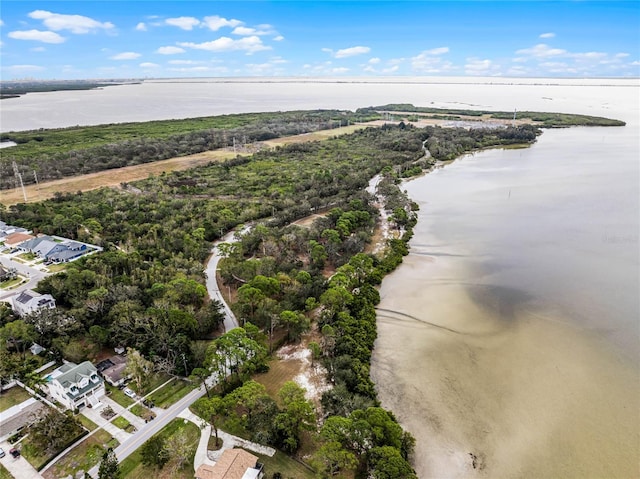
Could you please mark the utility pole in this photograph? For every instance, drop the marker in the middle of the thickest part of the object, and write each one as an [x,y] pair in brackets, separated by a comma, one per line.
[35,175]
[19,178]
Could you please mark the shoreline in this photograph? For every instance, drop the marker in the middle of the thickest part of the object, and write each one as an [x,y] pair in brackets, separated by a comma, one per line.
[528,394]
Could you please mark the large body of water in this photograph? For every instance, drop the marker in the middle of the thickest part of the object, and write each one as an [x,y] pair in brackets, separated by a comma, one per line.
[509,337]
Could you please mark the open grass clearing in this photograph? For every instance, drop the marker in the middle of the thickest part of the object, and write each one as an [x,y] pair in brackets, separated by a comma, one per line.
[121,422]
[171,393]
[12,397]
[111,178]
[82,457]
[118,396]
[285,465]
[4,474]
[87,423]
[132,467]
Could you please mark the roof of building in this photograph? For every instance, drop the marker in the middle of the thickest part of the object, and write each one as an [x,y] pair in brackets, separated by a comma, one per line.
[72,374]
[113,368]
[233,463]
[17,238]
[28,295]
[19,415]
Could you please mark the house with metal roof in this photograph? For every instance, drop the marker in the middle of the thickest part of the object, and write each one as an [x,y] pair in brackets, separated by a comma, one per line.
[76,385]
[29,301]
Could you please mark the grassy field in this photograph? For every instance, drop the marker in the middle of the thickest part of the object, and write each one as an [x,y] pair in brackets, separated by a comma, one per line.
[132,467]
[13,396]
[83,457]
[4,474]
[121,422]
[171,393]
[285,465]
[87,423]
[118,396]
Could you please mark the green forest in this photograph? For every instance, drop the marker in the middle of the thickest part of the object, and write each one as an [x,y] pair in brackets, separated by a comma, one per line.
[146,291]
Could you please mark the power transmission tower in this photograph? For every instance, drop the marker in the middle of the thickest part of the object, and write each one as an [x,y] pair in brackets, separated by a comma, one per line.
[19,178]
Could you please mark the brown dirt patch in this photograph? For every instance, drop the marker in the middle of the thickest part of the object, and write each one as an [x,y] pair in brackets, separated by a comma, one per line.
[111,178]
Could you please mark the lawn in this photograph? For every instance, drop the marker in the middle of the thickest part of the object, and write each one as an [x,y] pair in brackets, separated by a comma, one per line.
[285,465]
[132,467]
[171,393]
[141,411]
[118,396]
[123,424]
[4,474]
[83,457]
[87,423]
[13,396]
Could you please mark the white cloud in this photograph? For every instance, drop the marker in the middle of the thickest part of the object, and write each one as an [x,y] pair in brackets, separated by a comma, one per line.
[185,23]
[74,23]
[541,50]
[215,22]
[351,51]
[38,49]
[25,68]
[141,27]
[547,35]
[340,70]
[200,69]
[476,66]
[431,61]
[126,56]
[37,35]
[225,44]
[170,50]
[279,38]
[185,62]
[436,51]
[392,69]
[149,65]
[622,55]
[1,23]
[374,61]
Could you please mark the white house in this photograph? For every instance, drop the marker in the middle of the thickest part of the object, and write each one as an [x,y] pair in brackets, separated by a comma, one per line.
[76,385]
[29,301]
[232,464]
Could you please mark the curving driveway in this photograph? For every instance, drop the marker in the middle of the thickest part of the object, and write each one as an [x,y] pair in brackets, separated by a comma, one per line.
[211,268]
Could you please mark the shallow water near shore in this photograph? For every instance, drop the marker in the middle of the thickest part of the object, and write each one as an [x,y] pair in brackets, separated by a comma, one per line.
[508,339]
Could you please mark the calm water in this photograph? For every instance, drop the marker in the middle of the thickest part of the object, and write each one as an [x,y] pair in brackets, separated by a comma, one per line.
[511,331]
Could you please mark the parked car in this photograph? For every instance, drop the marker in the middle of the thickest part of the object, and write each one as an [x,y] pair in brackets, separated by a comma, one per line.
[2,453]
[14,452]
[129,392]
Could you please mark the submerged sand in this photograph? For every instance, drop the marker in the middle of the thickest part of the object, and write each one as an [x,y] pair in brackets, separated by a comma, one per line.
[489,382]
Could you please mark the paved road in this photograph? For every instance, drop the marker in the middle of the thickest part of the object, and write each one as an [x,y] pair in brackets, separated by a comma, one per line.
[33,274]
[230,320]
[127,448]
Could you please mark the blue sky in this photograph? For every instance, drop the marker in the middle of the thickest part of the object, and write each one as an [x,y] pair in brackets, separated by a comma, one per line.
[132,39]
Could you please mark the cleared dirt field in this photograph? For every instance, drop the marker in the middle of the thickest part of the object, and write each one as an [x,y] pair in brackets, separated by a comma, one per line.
[112,178]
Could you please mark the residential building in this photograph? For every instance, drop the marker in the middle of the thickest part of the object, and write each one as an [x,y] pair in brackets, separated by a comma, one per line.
[233,464]
[76,385]
[52,249]
[14,239]
[29,301]
[112,370]
[17,417]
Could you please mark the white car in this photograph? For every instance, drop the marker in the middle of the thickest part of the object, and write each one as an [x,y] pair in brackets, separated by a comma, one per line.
[129,392]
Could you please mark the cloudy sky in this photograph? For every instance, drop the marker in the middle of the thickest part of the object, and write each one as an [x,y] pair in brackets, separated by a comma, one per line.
[118,39]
